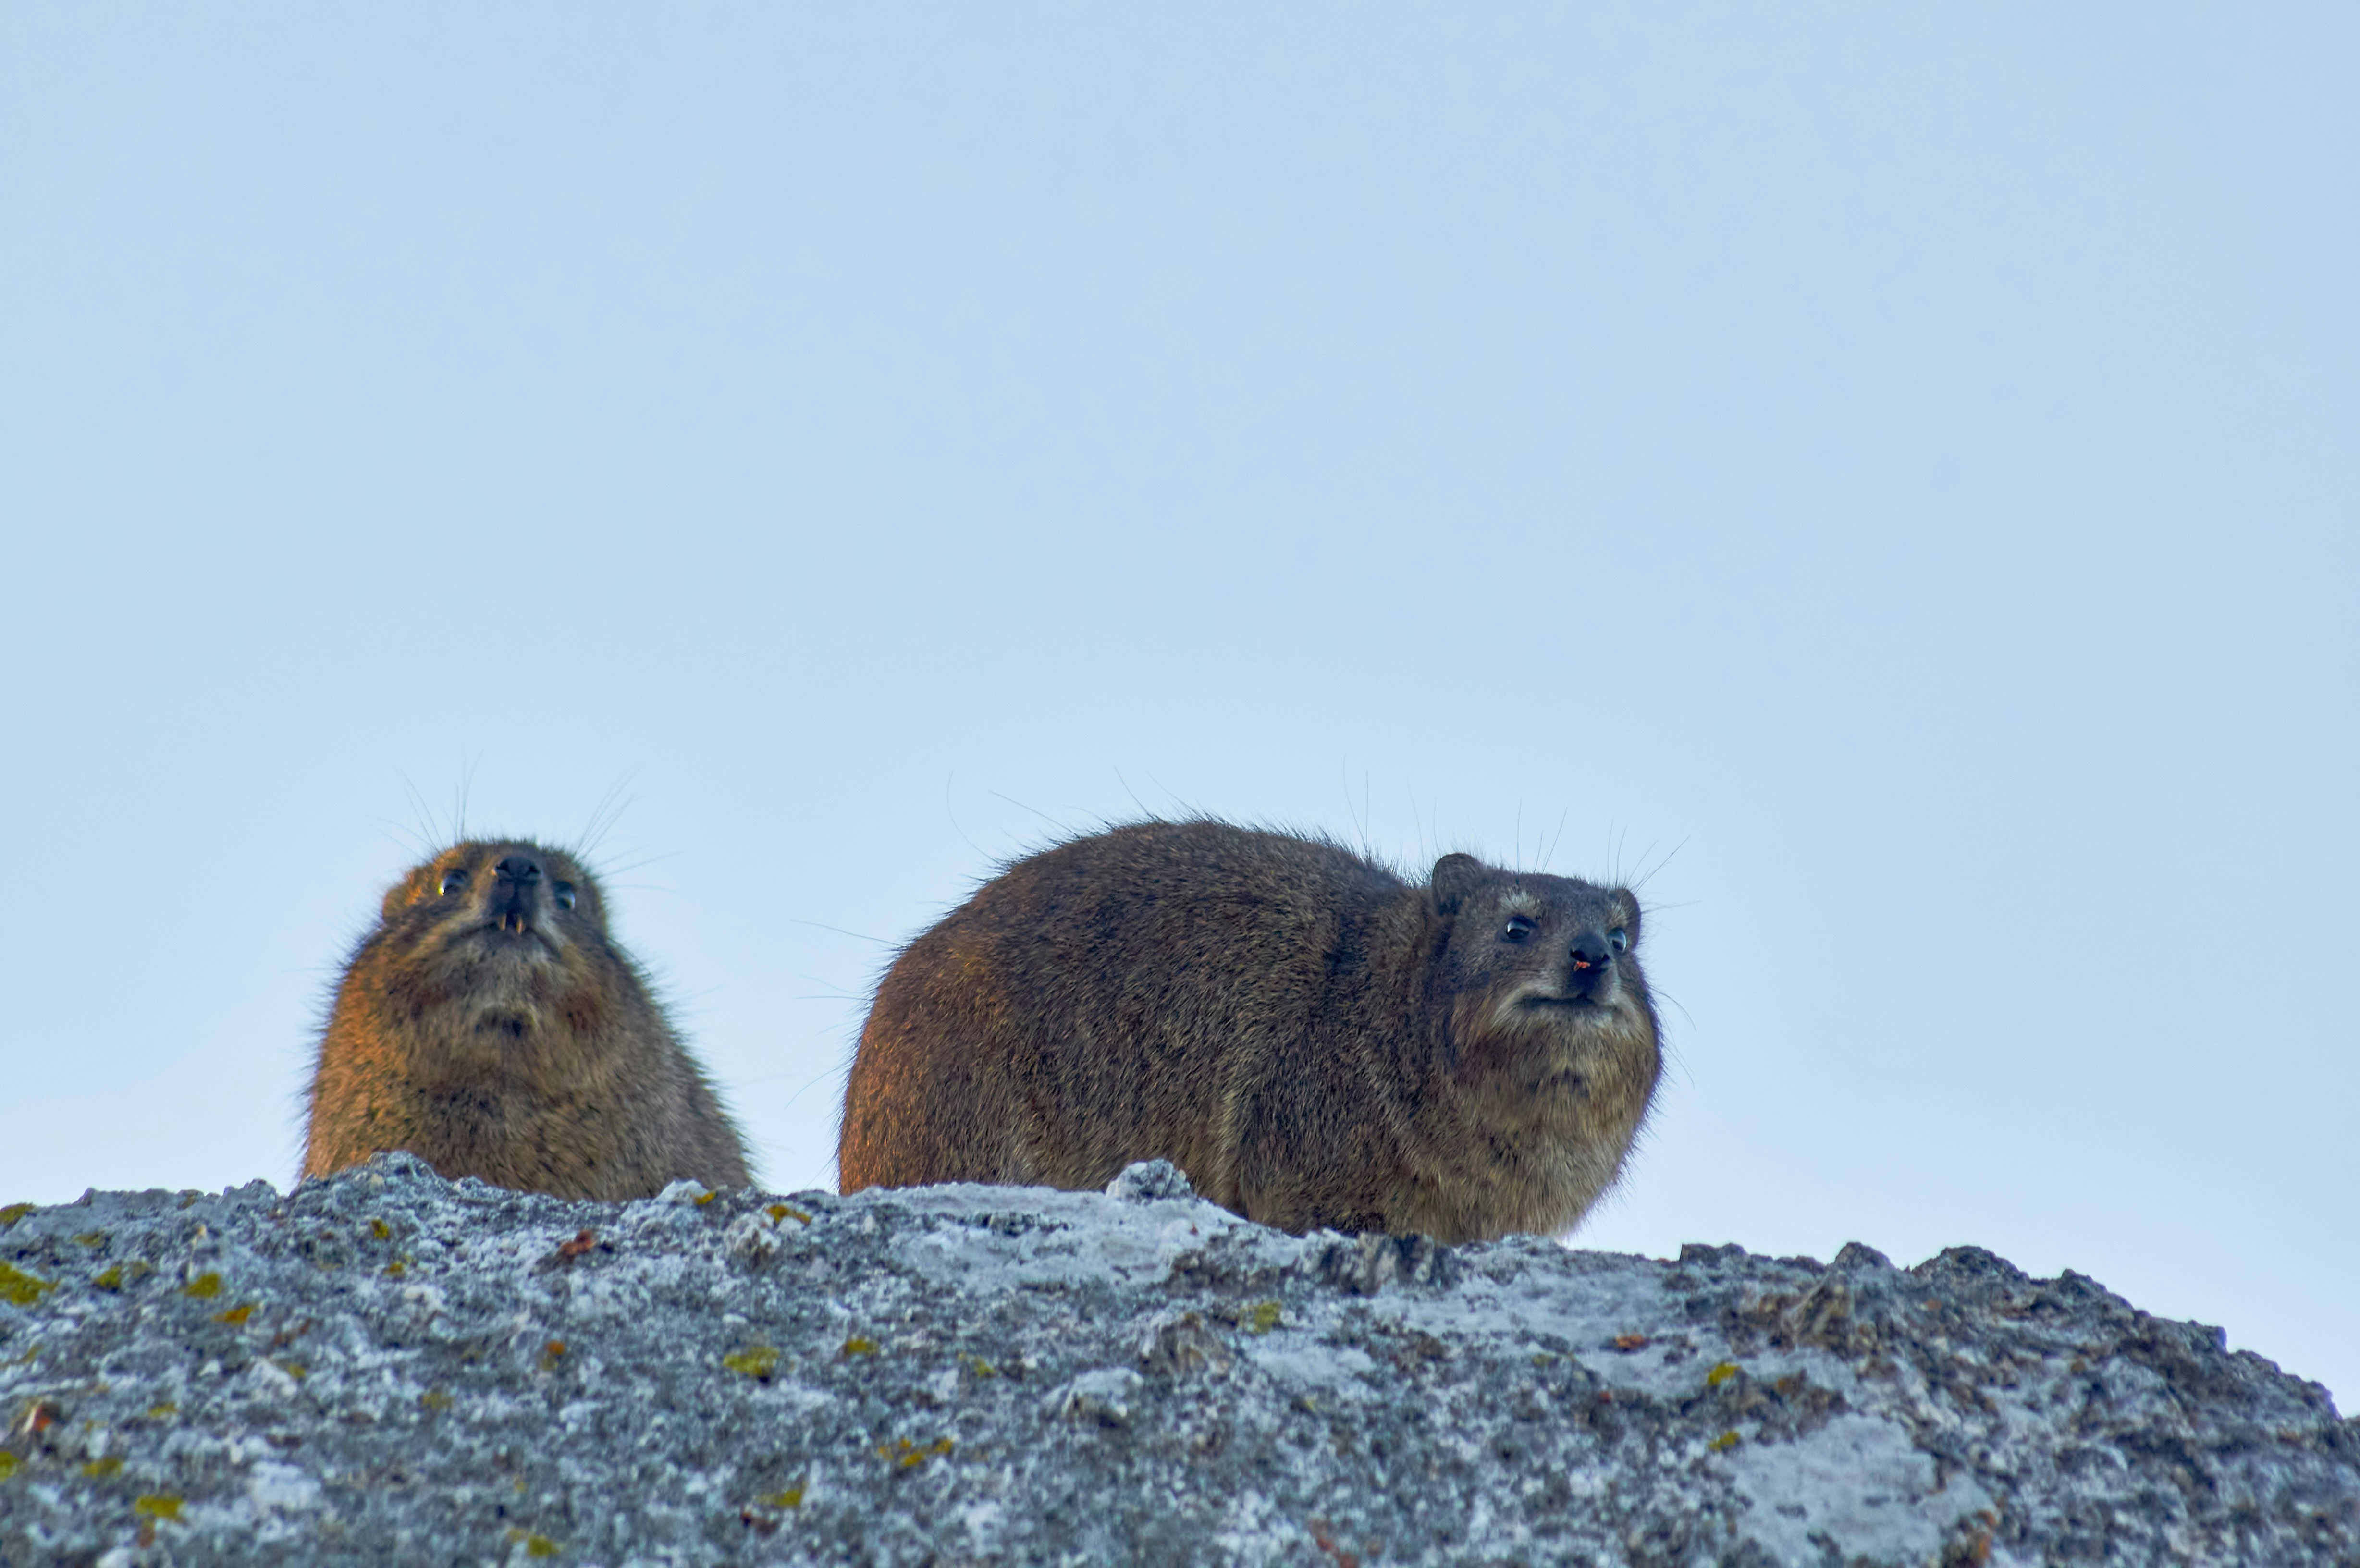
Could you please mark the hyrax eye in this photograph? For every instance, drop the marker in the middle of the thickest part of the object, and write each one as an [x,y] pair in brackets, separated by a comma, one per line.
[565,892]
[453,880]
[1518,928]
[1620,939]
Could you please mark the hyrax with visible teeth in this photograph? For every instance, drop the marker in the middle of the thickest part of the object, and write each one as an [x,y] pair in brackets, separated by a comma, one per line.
[489,1024]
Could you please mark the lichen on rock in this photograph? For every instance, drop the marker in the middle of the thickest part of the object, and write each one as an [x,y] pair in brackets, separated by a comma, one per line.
[386,1367]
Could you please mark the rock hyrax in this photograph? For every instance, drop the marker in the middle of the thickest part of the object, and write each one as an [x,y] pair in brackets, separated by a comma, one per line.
[490,1026]
[1314,1040]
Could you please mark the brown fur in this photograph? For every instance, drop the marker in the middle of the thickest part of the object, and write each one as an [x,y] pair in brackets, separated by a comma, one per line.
[496,1032]
[1314,1041]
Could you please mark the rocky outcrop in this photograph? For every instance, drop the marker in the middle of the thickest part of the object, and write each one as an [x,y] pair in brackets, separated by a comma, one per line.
[389,1368]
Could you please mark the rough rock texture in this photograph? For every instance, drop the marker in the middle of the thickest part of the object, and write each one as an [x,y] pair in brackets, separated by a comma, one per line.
[387,1367]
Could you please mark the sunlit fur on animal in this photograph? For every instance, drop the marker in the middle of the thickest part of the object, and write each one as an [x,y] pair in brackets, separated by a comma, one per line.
[1314,1040]
[489,1024]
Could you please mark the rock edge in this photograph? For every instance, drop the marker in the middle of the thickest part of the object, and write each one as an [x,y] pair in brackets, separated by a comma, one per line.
[388,1366]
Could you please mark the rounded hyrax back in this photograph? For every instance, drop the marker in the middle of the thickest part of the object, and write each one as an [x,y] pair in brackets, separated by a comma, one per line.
[1314,1041]
[489,1024]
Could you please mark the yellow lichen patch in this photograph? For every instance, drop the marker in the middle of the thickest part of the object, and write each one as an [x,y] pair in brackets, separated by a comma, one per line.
[534,1545]
[237,1314]
[203,1286]
[1721,1374]
[14,1211]
[980,1368]
[157,1505]
[856,1345]
[110,1280]
[1262,1317]
[105,1466]
[164,1408]
[8,1463]
[908,1455]
[786,1212]
[1724,1442]
[398,1268]
[379,1229]
[21,1288]
[295,1369]
[792,1497]
[705,1198]
[91,1239]
[756,1361]
[435,1400]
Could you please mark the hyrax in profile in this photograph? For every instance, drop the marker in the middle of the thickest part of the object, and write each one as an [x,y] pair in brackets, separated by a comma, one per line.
[490,1026]
[1313,1041]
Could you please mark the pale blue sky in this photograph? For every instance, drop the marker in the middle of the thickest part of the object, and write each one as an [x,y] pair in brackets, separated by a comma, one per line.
[1890,475]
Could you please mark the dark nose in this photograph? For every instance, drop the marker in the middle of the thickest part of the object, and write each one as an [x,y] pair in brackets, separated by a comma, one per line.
[1591,959]
[520,880]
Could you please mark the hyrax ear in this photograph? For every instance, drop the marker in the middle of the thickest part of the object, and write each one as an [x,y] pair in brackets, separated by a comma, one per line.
[403,894]
[1454,877]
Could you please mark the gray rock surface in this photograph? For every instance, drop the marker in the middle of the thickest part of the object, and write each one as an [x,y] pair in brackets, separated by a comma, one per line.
[388,1368]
